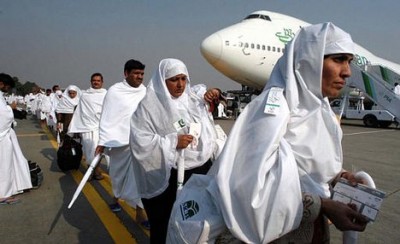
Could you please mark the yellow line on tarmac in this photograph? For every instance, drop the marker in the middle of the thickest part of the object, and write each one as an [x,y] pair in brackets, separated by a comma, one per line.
[114,226]
[128,209]
[106,184]
[117,230]
[31,134]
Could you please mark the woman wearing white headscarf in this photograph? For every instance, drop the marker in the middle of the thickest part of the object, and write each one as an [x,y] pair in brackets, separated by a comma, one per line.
[159,132]
[66,106]
[284,151]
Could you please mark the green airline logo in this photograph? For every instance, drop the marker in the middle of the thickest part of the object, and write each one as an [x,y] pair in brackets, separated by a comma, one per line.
[285,36]
[288,34]
[189,209]
[360,60]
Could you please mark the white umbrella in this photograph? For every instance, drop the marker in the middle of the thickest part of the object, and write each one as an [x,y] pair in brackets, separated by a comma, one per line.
[351,237]
[85,178]
[195,130]
[58,138]
[181,171]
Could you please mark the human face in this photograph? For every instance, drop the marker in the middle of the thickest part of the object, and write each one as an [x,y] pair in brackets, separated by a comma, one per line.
[336,69]
[96,82]
[134,77]
[72,94]
[4,87]
[176,85]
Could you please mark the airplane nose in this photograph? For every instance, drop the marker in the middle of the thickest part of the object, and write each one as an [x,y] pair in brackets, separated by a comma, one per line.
[211,48]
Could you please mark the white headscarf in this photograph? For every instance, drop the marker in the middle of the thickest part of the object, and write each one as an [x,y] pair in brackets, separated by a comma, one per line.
[270,159]
[153,134]
[67,104]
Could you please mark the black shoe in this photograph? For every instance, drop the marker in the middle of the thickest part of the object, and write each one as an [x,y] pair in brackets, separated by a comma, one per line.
[115,207]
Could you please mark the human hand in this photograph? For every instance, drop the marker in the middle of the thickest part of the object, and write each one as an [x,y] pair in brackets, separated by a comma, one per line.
[352,179]
[184,141]
[344,217]
[99,150]
[13,105]
[212,95]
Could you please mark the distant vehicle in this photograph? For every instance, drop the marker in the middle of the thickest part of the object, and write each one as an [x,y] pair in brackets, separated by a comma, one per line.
[354,107]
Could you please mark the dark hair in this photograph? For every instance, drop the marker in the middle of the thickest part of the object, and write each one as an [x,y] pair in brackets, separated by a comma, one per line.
[96,74]
[395,84]
[54,87]
[133,64]
[7,80]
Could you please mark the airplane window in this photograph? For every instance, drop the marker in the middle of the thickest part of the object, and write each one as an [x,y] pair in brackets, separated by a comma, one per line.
[258,16]
[269,48]
[246,45]
[279,50]
[226,43]
[258,46]
[252,46]
[273,49]
[263,47]
[283,50]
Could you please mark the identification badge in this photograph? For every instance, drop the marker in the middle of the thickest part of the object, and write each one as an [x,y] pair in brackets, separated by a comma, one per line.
[180,124]
[273,100]
[195,131]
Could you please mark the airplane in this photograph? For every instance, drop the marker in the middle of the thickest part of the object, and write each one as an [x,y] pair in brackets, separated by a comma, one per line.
[247,51]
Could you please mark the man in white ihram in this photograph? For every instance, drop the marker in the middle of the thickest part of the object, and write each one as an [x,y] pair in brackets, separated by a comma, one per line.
[14,169]
[86,120]
[120,102]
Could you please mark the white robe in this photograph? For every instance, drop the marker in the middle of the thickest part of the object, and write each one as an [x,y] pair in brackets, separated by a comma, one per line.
[14,170]
[119,104]
[86,120]
[286,141]
[154,136]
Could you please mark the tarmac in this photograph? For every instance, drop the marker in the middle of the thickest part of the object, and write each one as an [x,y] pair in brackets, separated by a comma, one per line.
[42,215]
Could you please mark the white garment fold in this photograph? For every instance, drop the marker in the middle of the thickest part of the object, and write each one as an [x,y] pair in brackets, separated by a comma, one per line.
[87,114]
[86,120]
[271,158]
[120,102]
[154,133]
[67,104]
[122,176]
[14,170]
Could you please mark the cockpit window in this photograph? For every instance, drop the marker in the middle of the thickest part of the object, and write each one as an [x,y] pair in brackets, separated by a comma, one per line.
[258,16]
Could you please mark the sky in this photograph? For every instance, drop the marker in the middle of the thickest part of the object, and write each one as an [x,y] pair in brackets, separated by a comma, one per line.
[63,42]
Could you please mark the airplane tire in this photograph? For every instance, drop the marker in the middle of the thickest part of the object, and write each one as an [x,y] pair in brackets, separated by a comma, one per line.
[384,123]
[370,121]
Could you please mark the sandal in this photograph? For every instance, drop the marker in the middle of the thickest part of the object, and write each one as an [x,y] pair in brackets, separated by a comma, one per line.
[10,201]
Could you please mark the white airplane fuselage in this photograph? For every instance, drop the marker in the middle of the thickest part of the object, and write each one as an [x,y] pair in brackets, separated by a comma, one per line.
[247,52]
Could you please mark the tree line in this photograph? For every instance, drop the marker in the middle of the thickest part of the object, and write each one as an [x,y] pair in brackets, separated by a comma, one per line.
[26,88]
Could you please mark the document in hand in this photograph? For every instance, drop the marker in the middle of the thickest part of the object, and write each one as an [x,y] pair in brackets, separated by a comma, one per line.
[367,199]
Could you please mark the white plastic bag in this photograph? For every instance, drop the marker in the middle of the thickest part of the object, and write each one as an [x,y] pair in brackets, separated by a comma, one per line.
[194,217]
